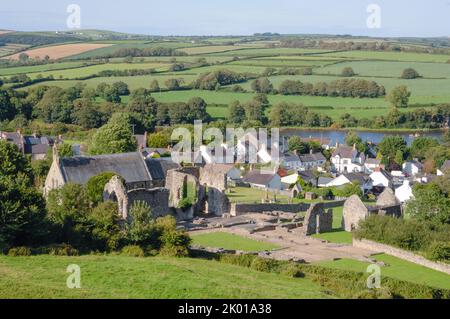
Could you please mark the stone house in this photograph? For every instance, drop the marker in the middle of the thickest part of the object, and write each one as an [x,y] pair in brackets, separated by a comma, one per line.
[34,145]
[132,167]
[345,159]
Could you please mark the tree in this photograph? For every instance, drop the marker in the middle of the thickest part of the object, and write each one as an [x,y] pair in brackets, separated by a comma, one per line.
[429,203]
[159,139]
[296,144]
[22,208]
[114,137]
[173,84]
[68,210]
[262,85]
[144,106]
[197,110]
[154,86]
[399,96]
[106,227]
[236,112]
[13,161]
[121,88]
[347,72]
[65,150]
[352,138]
[86,114]
[96,185]
[421,145]
[409,74]
[140,229]
[7,109]
[390,147]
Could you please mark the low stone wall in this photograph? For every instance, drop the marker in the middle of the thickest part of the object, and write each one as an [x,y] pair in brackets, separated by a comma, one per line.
[239,209]
[402,254]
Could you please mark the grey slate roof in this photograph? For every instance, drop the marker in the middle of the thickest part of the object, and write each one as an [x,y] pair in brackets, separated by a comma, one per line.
[312,157]
[80,169]
[361,178]
[158,167]
[446,165]
[255,177]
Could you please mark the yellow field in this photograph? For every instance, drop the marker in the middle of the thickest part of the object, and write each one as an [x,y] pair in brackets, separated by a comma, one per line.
[60,51]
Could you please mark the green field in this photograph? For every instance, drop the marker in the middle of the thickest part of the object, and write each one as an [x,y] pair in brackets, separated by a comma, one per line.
[390,56]
[153,277]
[396,268]
[230,241]
[82,72]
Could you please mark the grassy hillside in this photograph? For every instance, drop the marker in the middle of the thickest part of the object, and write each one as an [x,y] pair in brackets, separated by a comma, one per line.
[154,277]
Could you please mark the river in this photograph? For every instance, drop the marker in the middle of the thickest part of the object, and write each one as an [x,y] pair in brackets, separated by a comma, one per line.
[371,136]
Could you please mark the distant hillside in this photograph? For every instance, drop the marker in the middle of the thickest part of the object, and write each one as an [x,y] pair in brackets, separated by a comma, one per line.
[55,37]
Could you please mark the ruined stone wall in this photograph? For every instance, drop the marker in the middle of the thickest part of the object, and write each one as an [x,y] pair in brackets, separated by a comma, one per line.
[213,179]
[353,212]
[175,181]
[239,209]
[317,221]
[400,253]
[217,202]
[156,198]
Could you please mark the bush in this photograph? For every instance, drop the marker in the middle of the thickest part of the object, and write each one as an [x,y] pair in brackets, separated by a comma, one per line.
[19,251]
[96,185]
[60,250]
[264,264]
[439,251]
[174,251]
[132,251]
[292,270]
[238,260]
[185,203]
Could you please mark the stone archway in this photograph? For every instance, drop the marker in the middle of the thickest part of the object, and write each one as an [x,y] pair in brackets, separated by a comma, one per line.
[115,191]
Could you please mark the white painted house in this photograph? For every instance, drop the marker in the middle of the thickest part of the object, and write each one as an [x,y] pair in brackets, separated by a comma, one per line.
[381,178]
[404,192]
[412,168]
[364,181]
[347,159]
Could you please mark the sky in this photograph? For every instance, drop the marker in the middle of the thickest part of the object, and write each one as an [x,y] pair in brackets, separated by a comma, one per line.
[411,18]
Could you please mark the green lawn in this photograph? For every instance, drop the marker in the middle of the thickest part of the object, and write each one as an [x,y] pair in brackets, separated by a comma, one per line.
[230,241]
[337,235]
[248,195]
[396,268]
[153,277]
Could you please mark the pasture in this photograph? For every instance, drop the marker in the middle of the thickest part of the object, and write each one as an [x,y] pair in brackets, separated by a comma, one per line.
[152,277]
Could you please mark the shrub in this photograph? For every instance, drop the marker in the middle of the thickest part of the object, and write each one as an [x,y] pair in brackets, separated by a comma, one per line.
[238,260]
[96,185]
[264,264]
[60,250]
[292,270]
[132,251]
[439,251]
[19,251]
[174,251]
[185,203]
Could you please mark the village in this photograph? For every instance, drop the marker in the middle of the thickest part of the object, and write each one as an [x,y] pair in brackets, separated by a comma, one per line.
[289,204]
